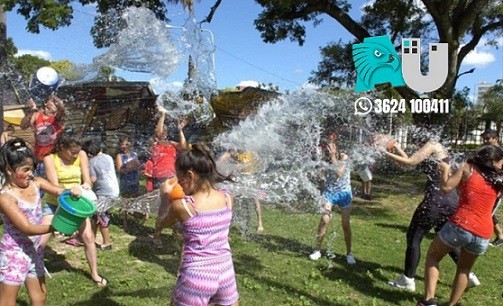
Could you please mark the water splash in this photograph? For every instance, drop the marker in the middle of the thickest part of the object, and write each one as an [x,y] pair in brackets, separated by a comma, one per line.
[331,255]
[143,204]
[286,137]
[141,48]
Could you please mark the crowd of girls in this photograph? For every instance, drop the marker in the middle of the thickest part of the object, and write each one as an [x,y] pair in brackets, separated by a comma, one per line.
[204,212]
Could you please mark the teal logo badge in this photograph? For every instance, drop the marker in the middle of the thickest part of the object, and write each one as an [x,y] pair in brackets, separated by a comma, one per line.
[376,62]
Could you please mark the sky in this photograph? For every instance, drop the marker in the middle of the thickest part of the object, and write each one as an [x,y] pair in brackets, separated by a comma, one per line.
[240,55]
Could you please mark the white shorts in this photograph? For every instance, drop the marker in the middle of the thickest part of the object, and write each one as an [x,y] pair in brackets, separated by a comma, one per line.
[365,174]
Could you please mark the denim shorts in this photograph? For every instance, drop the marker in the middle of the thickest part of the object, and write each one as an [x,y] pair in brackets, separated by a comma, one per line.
[456,237]
[342,199]
[49,209]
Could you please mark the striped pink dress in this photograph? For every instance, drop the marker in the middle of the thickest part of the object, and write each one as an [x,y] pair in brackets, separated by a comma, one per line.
[207,271]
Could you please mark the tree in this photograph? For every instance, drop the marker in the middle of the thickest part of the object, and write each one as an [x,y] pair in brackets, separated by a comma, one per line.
[450,21]
[26,64]
[493,105]
[66,69]
[463,116]
[107,23]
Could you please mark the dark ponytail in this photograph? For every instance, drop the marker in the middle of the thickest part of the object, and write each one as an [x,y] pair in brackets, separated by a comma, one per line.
[484,159]
[199,159]
[14,153]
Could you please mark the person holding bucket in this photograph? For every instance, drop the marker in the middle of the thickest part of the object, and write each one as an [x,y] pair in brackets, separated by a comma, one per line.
[21,253]
[46,123]
[68,166]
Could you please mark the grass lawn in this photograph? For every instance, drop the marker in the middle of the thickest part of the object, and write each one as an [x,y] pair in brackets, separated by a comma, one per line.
[272,267]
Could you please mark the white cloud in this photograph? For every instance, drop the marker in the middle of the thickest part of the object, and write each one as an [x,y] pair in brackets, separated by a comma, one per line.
[298,70]
[483,43]
[159,85]
[367,3]
[478,58]
[309,87]
[38,53]
[244,84]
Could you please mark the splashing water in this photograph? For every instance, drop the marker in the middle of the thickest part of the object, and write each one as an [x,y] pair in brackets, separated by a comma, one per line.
[196,46]
[142,48]
[286,136]
[332,239]
[145,45]
[143,204]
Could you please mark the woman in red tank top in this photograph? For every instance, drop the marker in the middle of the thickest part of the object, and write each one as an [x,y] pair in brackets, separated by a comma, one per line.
[46,123]
[480,182]
[164,152]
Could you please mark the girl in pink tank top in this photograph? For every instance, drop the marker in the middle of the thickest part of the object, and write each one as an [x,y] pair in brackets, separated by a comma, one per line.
[21,254]
[206,274]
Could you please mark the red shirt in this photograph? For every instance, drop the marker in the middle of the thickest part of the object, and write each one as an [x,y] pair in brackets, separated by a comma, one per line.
[149,184]
[163,161]
[476,203]
[47,129]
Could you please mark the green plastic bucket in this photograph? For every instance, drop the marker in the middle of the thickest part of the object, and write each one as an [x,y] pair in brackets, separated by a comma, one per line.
[71,213]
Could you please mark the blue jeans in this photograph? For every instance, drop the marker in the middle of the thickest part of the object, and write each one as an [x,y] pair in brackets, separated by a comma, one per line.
[342,199]
[456,237]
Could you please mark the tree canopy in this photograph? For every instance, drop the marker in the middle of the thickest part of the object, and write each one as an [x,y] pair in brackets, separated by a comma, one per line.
[460,23]
[56,14]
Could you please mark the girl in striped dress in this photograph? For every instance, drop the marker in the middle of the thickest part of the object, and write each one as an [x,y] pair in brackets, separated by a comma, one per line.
[206,274]
[21,254]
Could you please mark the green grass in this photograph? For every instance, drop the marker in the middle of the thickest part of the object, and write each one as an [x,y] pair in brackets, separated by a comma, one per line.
[273,268]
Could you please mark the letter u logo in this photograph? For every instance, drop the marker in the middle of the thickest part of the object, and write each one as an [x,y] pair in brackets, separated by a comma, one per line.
[411,65]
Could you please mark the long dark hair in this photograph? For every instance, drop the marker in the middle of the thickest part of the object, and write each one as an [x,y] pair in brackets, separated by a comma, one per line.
[200,160]
[484,159]
[65,141]
[14,153]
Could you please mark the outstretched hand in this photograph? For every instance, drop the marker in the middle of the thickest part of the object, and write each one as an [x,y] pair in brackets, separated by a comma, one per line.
[76,192]
[182,123]
[332,148]
[31,104]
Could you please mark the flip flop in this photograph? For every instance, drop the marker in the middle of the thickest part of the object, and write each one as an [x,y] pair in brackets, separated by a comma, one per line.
[74,242]
[103,282]
[102,247]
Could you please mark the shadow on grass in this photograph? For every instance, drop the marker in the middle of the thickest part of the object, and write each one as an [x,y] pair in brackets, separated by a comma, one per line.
[400,227]
[278,244]
[56,262]
[166,256]
[106,296]
[403,228]
[368,279]
[250,266]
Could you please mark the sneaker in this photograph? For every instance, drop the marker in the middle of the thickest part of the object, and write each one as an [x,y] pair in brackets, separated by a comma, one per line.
[430,302]
[315,255]
[497,242]
[350,259]
[473,280]
[404,282]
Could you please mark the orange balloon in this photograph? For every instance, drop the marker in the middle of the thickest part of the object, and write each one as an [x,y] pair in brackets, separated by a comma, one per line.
[177,192]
